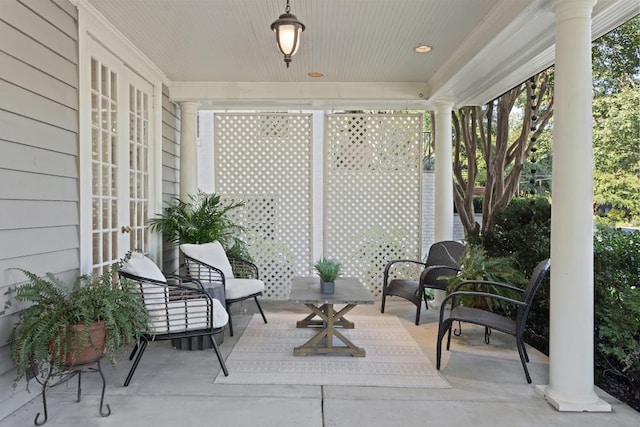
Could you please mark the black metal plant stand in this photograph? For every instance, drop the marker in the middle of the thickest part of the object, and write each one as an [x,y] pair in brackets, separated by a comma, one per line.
[56,378]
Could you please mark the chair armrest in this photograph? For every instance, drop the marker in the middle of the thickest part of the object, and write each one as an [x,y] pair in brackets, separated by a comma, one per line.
[390,264]
[184,282]
[433,269]
[454,295]
[450,300]
[242,268]
[203,272]
[487,283]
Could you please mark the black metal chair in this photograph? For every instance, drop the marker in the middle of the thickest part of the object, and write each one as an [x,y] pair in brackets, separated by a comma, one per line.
[489,319]
[442,261]
[178,307]
[209,264]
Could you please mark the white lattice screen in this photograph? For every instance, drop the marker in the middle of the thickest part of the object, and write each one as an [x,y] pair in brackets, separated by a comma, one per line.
[265,160]
[372,192]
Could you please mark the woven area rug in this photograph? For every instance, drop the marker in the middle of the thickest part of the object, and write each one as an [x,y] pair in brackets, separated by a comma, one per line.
[264,355]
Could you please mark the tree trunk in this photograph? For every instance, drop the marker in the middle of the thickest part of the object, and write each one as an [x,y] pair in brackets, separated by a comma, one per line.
[484,134]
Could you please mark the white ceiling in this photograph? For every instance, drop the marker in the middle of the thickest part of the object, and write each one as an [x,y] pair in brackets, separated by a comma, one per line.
[223,52]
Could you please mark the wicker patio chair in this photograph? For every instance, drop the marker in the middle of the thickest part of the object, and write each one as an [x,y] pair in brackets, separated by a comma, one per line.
[442,261]
[489,319]
[209,264]
[178,307]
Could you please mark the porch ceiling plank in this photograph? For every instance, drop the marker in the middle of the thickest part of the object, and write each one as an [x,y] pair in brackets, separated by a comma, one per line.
[223,54]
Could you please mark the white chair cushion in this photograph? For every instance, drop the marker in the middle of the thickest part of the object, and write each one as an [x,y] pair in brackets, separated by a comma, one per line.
[186,315]
[140,265]
[212,254]
[240,288]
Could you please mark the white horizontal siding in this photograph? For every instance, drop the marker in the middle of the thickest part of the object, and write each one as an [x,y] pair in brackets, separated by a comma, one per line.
[34,186]
[24,76]
[29,104]
[27,131]
[31,159]
[44,32]
[38,241]
[170,168]
[16,214]
[39,56]
[39,189]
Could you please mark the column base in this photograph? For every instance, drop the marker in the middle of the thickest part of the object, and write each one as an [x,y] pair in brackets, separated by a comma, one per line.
[561,405]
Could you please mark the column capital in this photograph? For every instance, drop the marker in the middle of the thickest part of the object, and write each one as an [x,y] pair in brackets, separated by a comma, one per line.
[443,106]
[188,106]
[566,9]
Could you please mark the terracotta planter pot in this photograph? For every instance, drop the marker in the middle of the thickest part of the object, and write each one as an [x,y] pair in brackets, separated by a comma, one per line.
[91,352]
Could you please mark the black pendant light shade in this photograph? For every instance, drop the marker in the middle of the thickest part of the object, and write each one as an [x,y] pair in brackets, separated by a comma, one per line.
[288,30]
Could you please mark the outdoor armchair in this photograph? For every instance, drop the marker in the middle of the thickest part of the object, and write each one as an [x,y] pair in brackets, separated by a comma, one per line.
[442,261]
[489,319]
[209,263]
[178,307]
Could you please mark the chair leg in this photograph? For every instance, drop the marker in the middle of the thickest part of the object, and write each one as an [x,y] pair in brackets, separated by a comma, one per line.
[141,350]
[133,352]
[522,353]
[419,304]
[230,322]
[426,300]
[524,350]
[220,359]
[384,299]
[442,330]
[260,308]
[449,334]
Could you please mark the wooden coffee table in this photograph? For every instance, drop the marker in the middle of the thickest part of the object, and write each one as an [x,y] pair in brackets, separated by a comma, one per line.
[348,291]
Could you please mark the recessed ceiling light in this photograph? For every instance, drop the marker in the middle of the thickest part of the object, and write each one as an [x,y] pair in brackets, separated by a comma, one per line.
[423,48]
[316,74]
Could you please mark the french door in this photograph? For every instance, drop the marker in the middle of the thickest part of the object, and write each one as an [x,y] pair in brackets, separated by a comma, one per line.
[121,114]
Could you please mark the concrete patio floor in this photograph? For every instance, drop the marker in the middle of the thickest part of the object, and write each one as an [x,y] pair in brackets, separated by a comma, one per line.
[175,388]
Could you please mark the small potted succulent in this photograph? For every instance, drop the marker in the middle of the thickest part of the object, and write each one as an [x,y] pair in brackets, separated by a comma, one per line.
[329,271]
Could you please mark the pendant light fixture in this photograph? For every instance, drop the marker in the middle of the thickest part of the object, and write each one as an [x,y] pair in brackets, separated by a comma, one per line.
[288,30]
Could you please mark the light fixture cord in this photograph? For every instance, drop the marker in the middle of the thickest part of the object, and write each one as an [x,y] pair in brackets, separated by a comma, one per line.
[288,9]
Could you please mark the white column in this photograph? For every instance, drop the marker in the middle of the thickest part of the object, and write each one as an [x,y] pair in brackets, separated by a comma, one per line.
[571,360]
[188,149]
[444,180]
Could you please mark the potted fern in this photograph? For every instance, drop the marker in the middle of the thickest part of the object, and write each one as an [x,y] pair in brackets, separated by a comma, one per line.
[69,326]
[476,264]
[329,271]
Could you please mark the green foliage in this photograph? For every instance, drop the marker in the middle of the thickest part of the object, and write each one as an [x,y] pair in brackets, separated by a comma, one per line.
[617,303]
[201,219]
[477,264]
[523,232]
[616,150]
[616,58]
[42,335]
[328,269]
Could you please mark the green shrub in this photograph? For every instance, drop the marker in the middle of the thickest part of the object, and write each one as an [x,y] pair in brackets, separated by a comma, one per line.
[523,231]
[617,304]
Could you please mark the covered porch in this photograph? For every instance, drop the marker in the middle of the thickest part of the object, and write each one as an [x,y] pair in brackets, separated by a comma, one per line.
[174,387]
[481,49]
